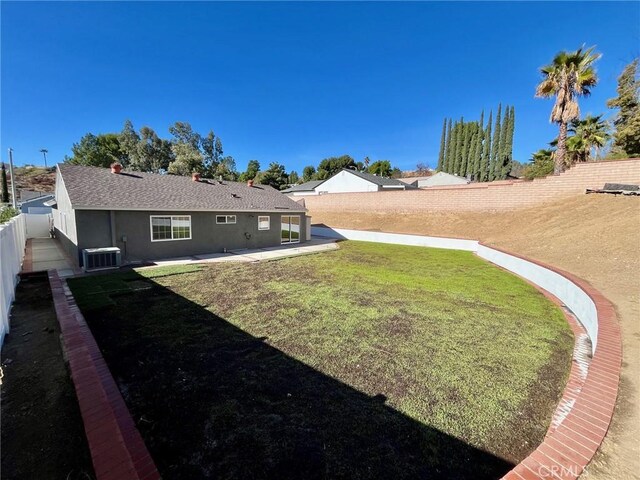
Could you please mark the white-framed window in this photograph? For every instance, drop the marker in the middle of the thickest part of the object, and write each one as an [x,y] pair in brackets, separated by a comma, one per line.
[225,219]
[165,228]
[264,222]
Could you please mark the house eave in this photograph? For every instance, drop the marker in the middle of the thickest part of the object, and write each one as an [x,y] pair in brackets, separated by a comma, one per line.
[159,209]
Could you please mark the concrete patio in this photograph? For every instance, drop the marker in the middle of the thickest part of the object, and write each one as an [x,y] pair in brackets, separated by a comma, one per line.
[315,245]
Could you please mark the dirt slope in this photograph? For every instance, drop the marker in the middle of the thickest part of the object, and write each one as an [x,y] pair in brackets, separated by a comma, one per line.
[595,237]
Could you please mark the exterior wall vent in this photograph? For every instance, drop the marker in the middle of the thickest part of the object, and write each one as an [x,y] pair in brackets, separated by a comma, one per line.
[100,258]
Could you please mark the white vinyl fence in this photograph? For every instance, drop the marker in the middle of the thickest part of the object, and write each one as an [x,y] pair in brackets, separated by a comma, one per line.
[38,224]
[13,237]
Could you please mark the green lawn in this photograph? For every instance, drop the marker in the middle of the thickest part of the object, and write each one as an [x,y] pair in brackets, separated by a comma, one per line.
[372,361]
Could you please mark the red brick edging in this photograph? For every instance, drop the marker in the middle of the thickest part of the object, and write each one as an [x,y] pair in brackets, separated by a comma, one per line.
[117,449]
[587,403]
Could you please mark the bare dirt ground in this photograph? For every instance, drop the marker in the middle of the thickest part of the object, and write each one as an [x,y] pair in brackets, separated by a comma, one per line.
[42,432]
[596,237]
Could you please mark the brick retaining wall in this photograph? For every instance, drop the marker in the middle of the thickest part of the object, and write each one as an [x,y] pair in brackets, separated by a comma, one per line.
[484,196]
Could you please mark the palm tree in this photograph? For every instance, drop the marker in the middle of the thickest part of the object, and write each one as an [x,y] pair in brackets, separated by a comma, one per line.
[593,134]
[570,75]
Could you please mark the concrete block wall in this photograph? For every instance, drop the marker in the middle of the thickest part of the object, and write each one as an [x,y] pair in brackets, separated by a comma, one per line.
[503,195]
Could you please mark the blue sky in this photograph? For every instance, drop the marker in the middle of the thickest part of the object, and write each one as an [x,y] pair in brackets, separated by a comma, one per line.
[294,82]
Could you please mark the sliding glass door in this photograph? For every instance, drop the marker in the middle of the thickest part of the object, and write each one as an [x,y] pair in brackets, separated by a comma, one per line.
[290,229]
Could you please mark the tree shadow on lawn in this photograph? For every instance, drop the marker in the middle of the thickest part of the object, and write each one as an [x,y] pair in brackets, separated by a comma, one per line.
[212,401]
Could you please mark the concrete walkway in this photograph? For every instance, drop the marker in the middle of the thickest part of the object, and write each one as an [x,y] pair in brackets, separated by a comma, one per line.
[315,245]
[44,254]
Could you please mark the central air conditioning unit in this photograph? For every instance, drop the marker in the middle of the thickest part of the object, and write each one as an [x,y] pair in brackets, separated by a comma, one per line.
[100,258]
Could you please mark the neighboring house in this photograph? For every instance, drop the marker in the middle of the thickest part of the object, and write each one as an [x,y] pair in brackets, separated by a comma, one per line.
[307,188]
[347,181]
[151,216]
[442,179]
[25,195]
[37,205]
[413,181]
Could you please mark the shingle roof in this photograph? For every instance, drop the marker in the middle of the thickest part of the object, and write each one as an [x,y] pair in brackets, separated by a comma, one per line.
[98,188]
[304,187]
[381,181]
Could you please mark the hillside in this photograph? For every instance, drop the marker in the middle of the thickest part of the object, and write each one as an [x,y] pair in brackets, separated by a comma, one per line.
[38,179]
[595,237]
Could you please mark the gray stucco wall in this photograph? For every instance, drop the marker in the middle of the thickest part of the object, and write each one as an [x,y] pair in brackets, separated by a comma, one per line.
[69,246]
[94,230]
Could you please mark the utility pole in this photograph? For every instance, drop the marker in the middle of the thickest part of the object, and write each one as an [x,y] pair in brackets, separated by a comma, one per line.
[44,153]
[14,202]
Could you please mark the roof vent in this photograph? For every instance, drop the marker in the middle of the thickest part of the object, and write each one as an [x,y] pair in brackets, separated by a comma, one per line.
[195,176]
[249,183]
[116,167]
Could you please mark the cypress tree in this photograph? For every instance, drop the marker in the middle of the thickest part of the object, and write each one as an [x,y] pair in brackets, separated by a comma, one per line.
[442,143]
[508,148]
[454,141]
[477,154]
[464,156]
[459,140]
[503,158]
[5,186]
[470,150]
[483,174]
[495,148]
[459,146]
[447,148]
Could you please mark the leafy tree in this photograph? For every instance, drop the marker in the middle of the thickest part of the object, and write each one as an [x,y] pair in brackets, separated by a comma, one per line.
[275,176]
[542,164]
[332,165]
[627,121]
[308,173]
[226,169]
[5,186]
[253,167]
[129,140]
[152,153]
[183,133]
[97,151]
[211,153]
[293,178]
[187,159]
[569,76]
[366,163]
[381,168]
[396,173]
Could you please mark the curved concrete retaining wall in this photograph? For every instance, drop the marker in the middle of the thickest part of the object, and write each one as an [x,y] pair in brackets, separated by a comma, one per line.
[584,413]
[396,238]
[568,292]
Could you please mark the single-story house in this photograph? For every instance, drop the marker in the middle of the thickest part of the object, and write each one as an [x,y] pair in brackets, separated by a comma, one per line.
[152,216]
[442,179]
[347,181]
[37,205]
[414,181]
[307,188]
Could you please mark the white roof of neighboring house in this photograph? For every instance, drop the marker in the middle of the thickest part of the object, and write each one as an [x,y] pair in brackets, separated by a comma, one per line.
[442,179]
